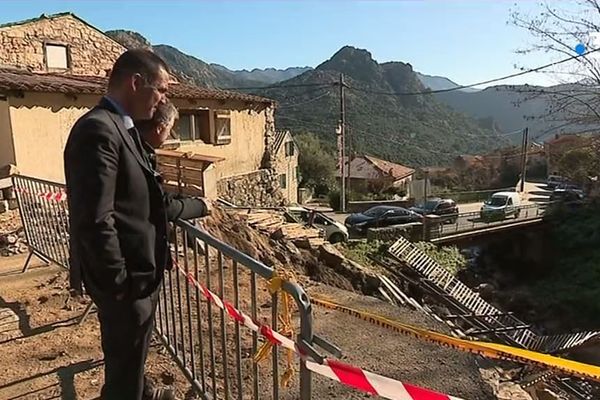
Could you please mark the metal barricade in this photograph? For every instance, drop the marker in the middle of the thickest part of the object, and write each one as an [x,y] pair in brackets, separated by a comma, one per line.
[215,351]
[45,217]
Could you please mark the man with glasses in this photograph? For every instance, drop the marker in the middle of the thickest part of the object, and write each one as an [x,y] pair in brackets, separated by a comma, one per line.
[118,220]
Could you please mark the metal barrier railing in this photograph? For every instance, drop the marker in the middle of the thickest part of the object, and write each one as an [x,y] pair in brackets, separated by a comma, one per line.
[192,328]
[213,352]
[439,226]
[503,325]
[470,196]
[43,210]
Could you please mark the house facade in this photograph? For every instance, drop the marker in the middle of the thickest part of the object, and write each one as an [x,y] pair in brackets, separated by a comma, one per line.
[370,174]
[56,69]
[286,152]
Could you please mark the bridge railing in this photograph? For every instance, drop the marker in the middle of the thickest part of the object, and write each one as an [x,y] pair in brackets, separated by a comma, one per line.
[440,226]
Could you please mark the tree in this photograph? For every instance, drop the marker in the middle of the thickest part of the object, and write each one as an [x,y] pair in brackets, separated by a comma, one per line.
[316,161]
[578,164]
[558,29]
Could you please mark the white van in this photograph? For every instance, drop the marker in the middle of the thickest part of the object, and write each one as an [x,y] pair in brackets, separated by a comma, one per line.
[335,232]
[500,206]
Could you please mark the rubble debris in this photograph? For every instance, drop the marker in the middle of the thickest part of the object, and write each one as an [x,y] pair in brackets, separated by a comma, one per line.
[13,243]
[277,227]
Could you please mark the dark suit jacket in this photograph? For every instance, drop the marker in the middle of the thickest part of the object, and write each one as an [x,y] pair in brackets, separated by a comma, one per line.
[117,214]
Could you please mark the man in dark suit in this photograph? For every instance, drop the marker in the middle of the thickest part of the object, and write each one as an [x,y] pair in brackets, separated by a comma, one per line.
[118,220]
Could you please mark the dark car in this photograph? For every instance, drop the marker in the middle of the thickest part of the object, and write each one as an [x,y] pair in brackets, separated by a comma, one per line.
[567,193]
[445,208]
[380,216]
[554,180]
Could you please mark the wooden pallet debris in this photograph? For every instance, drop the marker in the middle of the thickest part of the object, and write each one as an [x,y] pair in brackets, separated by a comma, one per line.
[275,224]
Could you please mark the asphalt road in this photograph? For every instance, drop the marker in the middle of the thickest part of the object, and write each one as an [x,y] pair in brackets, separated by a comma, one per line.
[532,203]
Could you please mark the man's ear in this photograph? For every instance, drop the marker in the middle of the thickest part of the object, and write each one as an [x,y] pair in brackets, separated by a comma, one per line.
[137,82]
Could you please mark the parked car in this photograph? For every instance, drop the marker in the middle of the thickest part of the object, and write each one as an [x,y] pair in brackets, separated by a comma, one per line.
[501,205]
[380,216]
[567,193]
[445,208]
[554,180]
[570,187]
[335,232]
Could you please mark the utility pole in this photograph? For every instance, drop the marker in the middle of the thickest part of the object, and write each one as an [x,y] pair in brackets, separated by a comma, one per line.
[342,145]
[524,146]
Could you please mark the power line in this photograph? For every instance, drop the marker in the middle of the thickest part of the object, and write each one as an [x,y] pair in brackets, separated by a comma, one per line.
[296,85]
[528,71]
[290,105]
[332,127]
[330,84]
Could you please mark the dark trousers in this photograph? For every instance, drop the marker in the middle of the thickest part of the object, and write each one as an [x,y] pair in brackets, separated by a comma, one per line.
[126,329]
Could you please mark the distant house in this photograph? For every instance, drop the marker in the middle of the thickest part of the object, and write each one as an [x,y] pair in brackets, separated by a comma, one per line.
[54,68]
[370,174]
[285,153]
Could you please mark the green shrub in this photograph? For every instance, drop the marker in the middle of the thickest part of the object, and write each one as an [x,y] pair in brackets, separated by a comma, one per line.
[448,257]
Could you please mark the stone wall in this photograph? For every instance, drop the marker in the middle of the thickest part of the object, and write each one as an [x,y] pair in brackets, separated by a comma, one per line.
[91,52]
[258,189]
[268,157]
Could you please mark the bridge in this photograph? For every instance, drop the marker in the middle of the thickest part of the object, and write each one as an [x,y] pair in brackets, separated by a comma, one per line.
[470,224]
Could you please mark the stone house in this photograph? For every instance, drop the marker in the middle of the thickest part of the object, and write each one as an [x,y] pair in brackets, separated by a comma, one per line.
[368,174]
[55,69]
[285,153]
[57,43]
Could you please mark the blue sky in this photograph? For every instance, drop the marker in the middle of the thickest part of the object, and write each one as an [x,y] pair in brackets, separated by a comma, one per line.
[466,41]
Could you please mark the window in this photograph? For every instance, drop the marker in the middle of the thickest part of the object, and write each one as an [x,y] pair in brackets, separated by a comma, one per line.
[289,149]
[444,206]
[194,125]
[184,127]
[205,126]
[283,181]
[57,56]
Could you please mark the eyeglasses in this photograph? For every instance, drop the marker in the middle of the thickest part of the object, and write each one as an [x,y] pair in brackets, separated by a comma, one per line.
[161,90]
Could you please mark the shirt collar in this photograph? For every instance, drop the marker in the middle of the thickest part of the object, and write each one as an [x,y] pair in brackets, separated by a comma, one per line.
[127,120]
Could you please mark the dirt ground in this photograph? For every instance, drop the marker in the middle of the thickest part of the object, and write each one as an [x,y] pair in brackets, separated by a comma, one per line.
[47,355]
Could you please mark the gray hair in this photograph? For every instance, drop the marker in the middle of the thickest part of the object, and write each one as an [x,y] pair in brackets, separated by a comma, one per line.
[165,113]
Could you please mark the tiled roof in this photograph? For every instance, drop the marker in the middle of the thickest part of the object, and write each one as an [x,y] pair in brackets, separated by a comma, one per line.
[396,171]
[22,80]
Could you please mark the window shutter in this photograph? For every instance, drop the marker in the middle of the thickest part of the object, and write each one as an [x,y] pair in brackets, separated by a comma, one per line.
[222,126]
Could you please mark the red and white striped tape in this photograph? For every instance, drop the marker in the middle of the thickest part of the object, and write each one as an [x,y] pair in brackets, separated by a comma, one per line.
[344,373]
[59,196]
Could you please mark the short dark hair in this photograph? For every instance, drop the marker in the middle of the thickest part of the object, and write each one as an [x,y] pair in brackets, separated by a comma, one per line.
[137,61]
